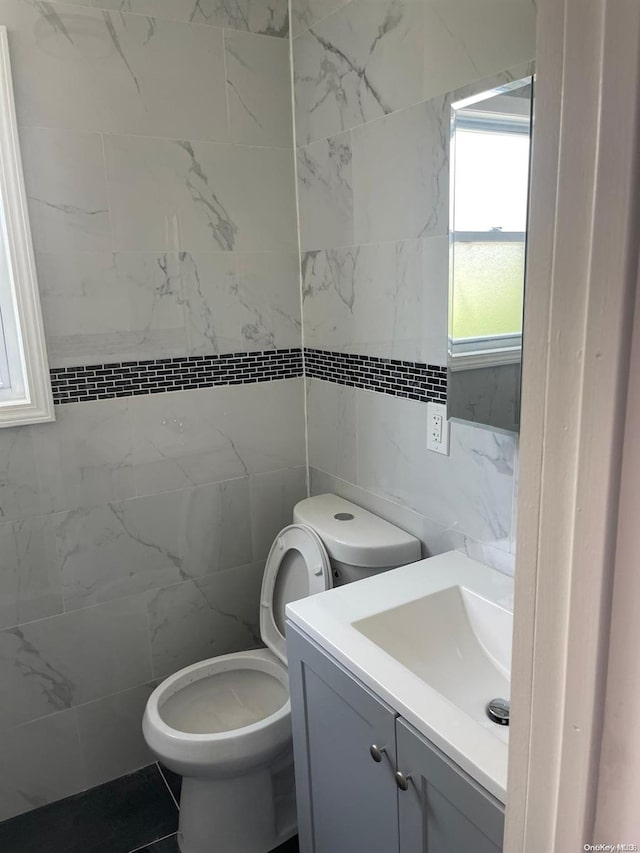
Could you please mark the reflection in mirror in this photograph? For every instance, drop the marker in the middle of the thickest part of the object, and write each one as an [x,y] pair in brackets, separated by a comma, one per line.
[490,149]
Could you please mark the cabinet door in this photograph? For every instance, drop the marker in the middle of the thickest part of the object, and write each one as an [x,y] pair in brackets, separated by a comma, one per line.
[347,802]
[443,810]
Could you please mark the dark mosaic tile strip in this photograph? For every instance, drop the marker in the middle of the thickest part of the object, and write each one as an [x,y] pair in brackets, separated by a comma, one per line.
[158,376]
[411,379]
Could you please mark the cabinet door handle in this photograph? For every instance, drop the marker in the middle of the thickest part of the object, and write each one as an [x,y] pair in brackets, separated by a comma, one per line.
[402,781]
[376,752]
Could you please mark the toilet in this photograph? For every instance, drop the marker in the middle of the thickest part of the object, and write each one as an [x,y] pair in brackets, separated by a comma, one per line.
[224,724]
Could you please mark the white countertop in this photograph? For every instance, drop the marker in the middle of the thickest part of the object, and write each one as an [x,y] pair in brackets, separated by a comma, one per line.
[479,748]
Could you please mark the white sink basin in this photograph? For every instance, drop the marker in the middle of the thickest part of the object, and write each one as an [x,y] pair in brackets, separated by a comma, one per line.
[456,641]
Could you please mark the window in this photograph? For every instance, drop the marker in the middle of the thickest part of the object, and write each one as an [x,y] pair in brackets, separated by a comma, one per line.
[491,142]
[25,388]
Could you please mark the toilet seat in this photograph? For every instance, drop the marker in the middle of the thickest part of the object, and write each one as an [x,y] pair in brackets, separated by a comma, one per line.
[297,566]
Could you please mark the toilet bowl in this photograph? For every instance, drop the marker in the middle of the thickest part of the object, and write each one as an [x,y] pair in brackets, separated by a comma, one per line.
[222,716]
[224,724]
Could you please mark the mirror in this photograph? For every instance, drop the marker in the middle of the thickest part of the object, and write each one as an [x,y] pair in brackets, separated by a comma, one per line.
[490,153]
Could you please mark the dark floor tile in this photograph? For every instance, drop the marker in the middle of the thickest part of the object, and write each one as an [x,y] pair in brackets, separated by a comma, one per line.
[167,845]
[173,781]
[290,846]
[170,845]
[114,818]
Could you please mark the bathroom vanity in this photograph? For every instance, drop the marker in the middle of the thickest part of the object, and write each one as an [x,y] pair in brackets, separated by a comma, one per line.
[389,680]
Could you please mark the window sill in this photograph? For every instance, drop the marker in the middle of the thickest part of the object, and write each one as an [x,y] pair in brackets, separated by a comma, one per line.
[484,358]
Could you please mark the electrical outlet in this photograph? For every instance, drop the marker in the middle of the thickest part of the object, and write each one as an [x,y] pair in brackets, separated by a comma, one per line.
[437,428]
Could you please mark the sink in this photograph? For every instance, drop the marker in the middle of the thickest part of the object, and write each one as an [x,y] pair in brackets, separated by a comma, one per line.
[456,641]
[433,640]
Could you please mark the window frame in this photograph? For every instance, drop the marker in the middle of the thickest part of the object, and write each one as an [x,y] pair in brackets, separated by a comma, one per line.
[479,352]
[30,399]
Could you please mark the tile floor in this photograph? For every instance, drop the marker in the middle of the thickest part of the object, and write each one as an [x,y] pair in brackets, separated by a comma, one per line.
[137,813]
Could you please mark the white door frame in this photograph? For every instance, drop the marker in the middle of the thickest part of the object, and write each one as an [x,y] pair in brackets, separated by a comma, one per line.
[581,279]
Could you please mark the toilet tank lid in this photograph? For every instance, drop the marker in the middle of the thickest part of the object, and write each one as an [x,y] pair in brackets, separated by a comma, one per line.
[355,536]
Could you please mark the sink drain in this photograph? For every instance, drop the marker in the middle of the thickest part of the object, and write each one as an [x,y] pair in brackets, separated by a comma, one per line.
[498,711]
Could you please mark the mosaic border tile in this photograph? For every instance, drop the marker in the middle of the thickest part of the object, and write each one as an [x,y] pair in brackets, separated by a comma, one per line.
[159,376]
[412,379]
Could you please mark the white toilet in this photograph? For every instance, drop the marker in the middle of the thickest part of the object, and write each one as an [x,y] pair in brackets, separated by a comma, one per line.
[224,724]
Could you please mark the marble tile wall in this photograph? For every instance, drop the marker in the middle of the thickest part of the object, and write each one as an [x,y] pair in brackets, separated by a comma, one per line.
[157,144]
[371,448]
[373,84]
[133,542]
[157,141]
[159,170]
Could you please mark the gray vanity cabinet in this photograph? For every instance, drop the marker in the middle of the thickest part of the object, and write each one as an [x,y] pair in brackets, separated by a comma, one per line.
[442,809]
[347,801]
[366,781]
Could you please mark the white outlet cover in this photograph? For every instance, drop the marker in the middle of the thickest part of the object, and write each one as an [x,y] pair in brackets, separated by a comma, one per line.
[435,443]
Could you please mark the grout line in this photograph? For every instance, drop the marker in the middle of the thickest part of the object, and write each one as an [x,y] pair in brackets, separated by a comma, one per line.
[319,21]
[147,623]
[226,83]
[155,841]
[194,140]
[250,252]
[108,193]
[523,69]
[305,385]
[77,7]
[81,750]
[167,784]
[354,208]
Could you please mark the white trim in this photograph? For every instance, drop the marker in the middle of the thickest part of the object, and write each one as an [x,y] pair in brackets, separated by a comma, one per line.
[582,258]
[36,403]
[619,770]
[484,358]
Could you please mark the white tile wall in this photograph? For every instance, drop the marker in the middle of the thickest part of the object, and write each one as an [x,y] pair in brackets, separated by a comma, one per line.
[159,167]
[257,75]
[112,551]
[378,442]
[159,511]
[366,299]
[57,663]
[145,138]
[66,190]
[256,16]
[156,137]
[199,619]
[408,153]
[30,576]
[42,763]
[183,196]
[331,428]
[110,732]
[359,60]
[360,63]
[273,497]
[325,193]
[127,73]
[374,82]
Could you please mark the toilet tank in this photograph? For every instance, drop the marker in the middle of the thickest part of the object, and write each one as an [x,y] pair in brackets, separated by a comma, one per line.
[359,543]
